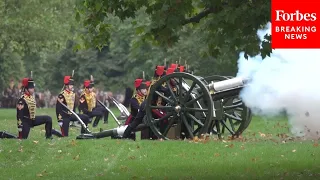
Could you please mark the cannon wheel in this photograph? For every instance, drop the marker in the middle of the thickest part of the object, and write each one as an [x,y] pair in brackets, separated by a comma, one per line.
[179,107]
[235,117]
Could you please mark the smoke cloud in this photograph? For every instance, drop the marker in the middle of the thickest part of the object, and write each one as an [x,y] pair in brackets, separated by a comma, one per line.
[288,81]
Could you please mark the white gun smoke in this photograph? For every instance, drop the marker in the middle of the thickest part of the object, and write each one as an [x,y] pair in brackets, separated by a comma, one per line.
[288,81]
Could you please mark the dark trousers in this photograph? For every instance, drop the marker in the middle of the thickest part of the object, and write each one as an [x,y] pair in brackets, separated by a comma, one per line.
[133,125]
[99,112]
[27,124]
[6,135]
[66,123]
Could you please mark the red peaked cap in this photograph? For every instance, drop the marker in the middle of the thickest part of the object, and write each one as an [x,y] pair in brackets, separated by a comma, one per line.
[159,70]
[27,83]
[68,80]
[170,71]
[137,83]
[87,84]
[175,66]
[141,84]
[148,83]
[181,68]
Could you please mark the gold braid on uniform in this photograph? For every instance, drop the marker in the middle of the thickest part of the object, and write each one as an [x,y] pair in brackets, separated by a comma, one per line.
[94,100]
[90,100]
[31,103]
[69,96]
[139,98]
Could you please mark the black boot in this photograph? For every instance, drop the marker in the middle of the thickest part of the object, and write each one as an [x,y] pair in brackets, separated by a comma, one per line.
[128,133]
[96,121]
[105,117]
[6,135]
[56,133]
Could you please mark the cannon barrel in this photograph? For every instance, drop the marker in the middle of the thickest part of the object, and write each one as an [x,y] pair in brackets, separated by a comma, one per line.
[227,84]
[115,132]
[227,93]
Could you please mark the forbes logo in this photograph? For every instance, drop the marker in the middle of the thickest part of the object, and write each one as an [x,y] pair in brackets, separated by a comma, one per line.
[281,15]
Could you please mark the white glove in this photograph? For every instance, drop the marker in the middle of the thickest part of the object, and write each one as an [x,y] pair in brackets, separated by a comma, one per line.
[60,123]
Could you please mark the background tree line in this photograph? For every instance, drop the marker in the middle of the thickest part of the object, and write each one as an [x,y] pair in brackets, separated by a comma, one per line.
[116,40]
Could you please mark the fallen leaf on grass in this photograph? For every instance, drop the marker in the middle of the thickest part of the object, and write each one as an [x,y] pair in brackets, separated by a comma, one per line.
[100,174]
[229,146]
[294,150]
[59,151]
[132,157]
[124,168]
[73,142]
[35,142]
[76,157]
[216,154]
[20,149]
[43,173]
[262,134]
[315,145]
[106,159]
[195,139]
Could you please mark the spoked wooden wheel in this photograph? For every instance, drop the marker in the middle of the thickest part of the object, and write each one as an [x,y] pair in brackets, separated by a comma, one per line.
[231,116]
[174,104]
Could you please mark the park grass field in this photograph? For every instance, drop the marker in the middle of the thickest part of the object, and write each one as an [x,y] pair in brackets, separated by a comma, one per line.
[264,152]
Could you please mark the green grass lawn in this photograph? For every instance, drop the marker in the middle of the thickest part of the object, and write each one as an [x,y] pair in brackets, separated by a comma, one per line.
[264,152]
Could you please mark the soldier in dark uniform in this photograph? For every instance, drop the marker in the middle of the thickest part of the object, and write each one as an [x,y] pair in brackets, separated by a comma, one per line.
[87,103]
[147,133]
[64,116]
[137,99]
[26,112]
[135,102]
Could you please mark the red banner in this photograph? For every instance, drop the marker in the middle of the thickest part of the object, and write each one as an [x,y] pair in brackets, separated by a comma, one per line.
[295,23]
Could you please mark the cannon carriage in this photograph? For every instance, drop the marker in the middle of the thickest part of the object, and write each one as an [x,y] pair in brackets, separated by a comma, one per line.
[191,106]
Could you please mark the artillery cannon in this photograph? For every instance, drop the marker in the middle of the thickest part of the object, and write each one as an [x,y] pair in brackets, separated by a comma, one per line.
[192,106]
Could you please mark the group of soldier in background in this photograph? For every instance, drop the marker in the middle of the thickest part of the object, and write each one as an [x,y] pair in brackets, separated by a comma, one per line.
[86,103]
[46,99]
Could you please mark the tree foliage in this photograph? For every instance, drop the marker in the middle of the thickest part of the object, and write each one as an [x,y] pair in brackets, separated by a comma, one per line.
[123,39]
[29,31]
[225,23]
